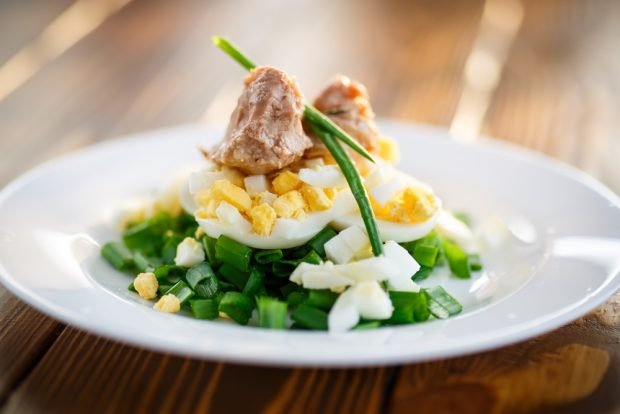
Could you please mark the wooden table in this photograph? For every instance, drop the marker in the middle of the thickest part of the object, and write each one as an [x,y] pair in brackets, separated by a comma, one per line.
[542,73]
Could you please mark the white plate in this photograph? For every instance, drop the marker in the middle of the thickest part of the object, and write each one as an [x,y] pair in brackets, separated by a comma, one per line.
[53,220]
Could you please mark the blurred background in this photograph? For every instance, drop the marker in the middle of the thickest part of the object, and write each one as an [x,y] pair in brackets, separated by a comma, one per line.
[540,73]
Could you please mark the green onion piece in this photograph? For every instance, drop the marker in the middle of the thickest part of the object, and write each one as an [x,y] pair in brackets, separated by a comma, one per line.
[209,245]
[268,256]
[422,274]
[163,288]
[118,255]
[283,268]
[362,326]
[318,241]
[289,288]
[255,281]
[457,259]
[357,188]
[181,291]
[296,298]
[234,52]
[463,217]
[316,118]
[310,317]
[322,299]
[131,288]
[312,257]
[237,306]
[233,275]
[409,307]
[421,310]
[204,308]
[169,251]
[441,304]
[144,263]
[198,273]
[169,273]
[311,113]
[425,254]
[475,264]
[271,313]
[147,236]
[208,288]
[233,253]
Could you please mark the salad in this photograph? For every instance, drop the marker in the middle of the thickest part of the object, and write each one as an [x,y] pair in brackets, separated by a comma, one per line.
[298,219]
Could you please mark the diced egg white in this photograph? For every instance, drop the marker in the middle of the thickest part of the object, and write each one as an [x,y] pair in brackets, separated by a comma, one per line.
[320,277]
[324,177]
[189,253]
[344,314]
[348,243]
[255,184]
[405,267]
[228,214]
[454,229]
[372,301]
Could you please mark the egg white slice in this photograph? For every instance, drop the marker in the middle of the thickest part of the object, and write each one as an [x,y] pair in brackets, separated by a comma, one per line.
[286,232]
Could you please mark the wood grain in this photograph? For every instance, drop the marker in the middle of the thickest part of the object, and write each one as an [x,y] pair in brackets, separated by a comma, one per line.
[151,65]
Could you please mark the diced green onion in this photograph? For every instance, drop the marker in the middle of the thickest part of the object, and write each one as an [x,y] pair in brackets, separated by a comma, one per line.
[162,289]
[208,243]
[421,310]
[425,255]
[405,306]
[289,288]
[318,241]
[147,236]
[271,313]
[237,306]
[181,291]
[312,257]
[204,308]
[323,299]
[310,317]
[457,259]
[208,288]
[255,281]
[362,326]
[357,188]
[169,273]
[131,287]
[169,251]
[422,274]
[297,297]
[475,264]
[230,252]
[198,273]
[283,268]
[118,255]
[233,275]
[441,304]
[268,256]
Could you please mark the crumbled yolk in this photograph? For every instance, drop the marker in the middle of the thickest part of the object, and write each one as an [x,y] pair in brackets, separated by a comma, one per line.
[289,204]
[168,303]
[224,190]
[263,219]
[146,285]
[388,149]
[264,197]
[412,205]
[286,181]
[316,198]
[331,192]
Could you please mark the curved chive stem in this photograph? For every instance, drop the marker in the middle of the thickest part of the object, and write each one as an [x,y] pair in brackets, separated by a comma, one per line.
[357,188]
[312,114]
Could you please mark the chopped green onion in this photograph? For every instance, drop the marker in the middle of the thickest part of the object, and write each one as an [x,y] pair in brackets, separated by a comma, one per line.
[145,264]
[268,256]
[271,313]
[162,289]
[323,299]
[475,264]
[204,308]
[169,273]
[208,243]
[312,257]
[441,304]
[169,251]
[118,255]
[208,288]
[289,288]
[231,252]
[425,255]
[147,236]
[463,217]
[310,317]
[255,281]
[296,298]
[283,268]
[357,188]
[362,326]
[233,275]
[318,241]
[198,273]
[422,274]
[131,288]
[457,259]
[181,291]
[237,306]
[409,307]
